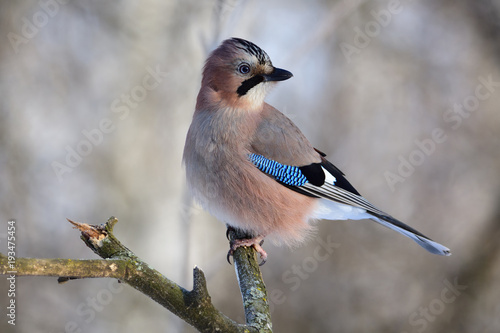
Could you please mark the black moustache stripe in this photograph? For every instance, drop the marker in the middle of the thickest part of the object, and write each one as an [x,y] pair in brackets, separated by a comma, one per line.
[249,84]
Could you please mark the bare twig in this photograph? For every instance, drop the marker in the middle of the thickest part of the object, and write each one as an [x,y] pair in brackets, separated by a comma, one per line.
[195,306]
[253,290]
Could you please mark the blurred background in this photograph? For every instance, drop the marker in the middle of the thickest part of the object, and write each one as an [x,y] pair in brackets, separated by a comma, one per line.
[403,96]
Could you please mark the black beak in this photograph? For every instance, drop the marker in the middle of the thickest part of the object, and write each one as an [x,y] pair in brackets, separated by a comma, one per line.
[278,74]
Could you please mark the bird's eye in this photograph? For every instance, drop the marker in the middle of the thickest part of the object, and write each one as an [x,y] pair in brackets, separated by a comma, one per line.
[244,68]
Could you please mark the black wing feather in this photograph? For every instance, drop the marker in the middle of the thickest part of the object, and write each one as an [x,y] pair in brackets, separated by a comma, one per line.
[341,182]
[314,173]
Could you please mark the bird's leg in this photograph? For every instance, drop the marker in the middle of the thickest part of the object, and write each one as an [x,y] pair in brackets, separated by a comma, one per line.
[239,240]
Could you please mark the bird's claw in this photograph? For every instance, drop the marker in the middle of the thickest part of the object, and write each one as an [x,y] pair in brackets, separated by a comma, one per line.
[256,243]
[228,230]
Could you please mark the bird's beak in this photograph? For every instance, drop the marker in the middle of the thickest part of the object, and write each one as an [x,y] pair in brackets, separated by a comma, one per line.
[278,74]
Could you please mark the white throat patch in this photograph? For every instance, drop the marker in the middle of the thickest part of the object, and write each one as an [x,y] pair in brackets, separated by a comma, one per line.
[257,94]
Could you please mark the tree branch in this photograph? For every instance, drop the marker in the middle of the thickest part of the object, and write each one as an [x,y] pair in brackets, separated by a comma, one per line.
[252,287]
[195,306]
[64,267]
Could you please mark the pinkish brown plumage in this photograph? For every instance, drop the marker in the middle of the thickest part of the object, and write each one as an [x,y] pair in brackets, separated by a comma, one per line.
[251,167]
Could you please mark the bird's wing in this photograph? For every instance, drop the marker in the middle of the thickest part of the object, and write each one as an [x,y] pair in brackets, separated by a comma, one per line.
[280,150]
[334,187]
[322,180]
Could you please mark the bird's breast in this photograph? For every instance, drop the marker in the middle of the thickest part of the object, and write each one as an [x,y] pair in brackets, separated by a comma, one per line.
[230,187]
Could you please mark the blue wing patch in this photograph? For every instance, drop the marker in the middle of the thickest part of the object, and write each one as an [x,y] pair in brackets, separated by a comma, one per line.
[287,174]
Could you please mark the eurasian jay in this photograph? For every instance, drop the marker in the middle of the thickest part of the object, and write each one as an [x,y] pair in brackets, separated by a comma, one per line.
[251,167]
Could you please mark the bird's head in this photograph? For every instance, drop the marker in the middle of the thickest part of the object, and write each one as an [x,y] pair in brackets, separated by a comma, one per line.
[240,73]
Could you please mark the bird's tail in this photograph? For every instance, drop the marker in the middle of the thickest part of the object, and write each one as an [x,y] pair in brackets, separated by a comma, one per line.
[409,232]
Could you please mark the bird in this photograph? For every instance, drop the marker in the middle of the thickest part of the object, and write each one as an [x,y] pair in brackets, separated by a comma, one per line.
[251,167]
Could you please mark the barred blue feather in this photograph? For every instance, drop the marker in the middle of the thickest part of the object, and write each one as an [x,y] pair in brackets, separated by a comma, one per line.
[287,174]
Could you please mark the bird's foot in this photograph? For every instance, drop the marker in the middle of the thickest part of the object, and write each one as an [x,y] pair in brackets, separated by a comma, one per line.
[255,242]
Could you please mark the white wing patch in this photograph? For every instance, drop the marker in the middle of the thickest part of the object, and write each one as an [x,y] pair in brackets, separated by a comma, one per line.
[329,178]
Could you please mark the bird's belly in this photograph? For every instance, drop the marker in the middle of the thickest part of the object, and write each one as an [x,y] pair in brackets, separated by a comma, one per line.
[242,196]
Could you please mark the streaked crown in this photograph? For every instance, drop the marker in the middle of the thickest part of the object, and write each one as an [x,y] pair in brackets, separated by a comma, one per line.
[252,49]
